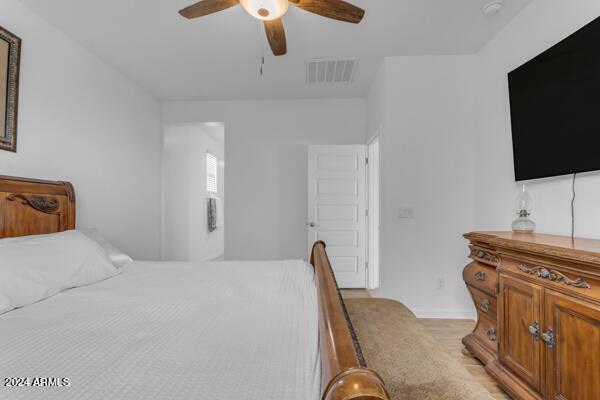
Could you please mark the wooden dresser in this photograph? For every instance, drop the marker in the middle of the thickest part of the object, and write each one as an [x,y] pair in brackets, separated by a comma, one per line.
[538,308]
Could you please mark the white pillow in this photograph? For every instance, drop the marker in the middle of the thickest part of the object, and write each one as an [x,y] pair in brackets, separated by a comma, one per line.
[33,268]
[116,256]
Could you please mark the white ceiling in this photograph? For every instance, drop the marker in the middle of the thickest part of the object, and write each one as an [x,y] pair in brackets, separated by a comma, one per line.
[217,57]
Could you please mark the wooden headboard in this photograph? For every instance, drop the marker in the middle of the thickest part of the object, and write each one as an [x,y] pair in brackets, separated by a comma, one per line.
[34,207]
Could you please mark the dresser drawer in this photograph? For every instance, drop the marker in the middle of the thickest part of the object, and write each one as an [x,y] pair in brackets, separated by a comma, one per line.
[552,276]
[486,303]
[487,333]
[482,277]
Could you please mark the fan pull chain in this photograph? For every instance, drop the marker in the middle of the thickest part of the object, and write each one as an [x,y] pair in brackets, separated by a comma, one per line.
[262,64]
[261,69]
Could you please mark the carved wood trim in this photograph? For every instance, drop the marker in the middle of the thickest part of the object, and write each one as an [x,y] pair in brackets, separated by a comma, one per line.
[554,276]
[48,205]
[491,334]
[483,255]
[48,197]
[585,252]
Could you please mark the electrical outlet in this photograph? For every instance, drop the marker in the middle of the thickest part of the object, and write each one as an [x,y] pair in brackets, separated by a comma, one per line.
[441,284]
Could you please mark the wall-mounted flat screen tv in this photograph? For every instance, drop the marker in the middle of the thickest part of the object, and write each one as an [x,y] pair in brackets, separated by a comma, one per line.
[555,108]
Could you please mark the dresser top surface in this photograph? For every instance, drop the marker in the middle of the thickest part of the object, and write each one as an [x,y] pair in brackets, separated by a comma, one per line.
[562,246]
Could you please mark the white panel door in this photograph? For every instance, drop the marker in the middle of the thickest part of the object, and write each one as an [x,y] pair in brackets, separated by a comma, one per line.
[337,196]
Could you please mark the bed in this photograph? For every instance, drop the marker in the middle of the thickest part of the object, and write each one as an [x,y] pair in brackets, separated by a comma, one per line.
[232,330]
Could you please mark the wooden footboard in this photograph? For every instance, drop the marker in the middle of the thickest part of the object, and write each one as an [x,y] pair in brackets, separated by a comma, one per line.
[344,374]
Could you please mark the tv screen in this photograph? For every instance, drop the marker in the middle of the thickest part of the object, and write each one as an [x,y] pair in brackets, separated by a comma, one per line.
[555,108]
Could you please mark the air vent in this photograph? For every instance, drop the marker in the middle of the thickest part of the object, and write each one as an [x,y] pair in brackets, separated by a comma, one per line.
[320,71]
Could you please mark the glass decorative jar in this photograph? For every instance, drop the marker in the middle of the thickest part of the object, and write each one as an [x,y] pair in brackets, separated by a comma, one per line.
[524,207]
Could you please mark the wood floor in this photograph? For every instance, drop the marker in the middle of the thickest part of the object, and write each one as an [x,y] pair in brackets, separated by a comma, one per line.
[450,332]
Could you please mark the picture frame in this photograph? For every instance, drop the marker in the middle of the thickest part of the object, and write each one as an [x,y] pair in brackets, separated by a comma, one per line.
[10,60]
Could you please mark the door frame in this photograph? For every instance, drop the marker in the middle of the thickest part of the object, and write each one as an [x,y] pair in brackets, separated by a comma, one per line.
[374,213]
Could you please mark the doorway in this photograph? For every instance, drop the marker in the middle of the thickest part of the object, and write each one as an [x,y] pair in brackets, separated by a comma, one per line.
[193,192]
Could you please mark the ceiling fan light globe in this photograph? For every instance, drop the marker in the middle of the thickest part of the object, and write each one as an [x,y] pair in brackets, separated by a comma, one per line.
[265,10]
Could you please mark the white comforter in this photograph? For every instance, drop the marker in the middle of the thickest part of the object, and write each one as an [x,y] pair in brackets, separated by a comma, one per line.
[170,331]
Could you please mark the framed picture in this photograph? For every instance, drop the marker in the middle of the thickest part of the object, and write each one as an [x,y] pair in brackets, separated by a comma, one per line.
[10,57]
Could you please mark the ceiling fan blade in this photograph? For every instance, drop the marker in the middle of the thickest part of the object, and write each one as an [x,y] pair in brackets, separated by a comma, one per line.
[206,7]
[276,36]
[334,9]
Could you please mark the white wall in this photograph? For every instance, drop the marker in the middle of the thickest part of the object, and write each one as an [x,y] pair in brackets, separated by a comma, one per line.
[185,235]
[266,152]
[447,153]
[376,102]
[426,107]
[82,121]
[539,26]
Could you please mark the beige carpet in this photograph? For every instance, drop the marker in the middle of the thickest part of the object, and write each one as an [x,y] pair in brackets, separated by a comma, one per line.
[412,363]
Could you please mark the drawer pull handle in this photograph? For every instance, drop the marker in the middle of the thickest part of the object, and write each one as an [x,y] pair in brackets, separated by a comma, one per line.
[549,338]
[485,305]
[491,334]
[534,329]
[480,276]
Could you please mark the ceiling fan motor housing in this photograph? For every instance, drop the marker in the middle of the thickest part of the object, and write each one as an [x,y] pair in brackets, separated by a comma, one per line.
[265,10]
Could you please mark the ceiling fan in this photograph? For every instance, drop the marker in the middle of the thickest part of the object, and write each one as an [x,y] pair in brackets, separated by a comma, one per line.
[271,11]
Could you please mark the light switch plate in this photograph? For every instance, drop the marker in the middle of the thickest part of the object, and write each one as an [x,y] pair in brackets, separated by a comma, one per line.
[406,213]
[440,284]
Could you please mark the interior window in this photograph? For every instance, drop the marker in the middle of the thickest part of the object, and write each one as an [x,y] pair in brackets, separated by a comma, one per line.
[211,173]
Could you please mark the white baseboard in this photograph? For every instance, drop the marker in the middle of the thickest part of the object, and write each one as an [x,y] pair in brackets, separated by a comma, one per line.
[445,314]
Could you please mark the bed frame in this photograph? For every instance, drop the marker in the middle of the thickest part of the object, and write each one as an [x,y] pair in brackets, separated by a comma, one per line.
[30,207]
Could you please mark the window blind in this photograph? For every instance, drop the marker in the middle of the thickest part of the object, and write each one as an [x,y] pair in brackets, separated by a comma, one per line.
[211,173]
